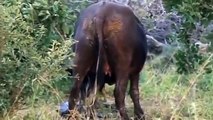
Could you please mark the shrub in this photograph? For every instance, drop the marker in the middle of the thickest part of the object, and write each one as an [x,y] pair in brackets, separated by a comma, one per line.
[35,41]
[197,11]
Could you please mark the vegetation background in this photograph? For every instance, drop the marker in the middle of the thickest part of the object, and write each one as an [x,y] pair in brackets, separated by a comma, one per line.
[35,40]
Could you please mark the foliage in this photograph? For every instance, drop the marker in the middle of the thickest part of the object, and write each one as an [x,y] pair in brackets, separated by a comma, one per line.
[171,4]
[35,41]
[193,11]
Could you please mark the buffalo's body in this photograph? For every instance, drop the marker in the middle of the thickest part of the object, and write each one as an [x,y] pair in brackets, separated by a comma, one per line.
[112,47]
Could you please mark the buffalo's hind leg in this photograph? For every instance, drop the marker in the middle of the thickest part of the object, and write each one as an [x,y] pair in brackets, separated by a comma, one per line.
[75,90]
[134,93]
[83,61]
[119,94]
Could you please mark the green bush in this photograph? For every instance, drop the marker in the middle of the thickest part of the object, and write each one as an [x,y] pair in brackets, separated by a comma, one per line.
[193,11]
[34,44]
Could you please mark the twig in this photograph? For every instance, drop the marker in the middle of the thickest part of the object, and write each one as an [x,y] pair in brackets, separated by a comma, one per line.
[62,37]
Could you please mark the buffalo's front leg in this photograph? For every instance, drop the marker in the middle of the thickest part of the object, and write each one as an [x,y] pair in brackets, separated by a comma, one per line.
[134,93]
[119,94]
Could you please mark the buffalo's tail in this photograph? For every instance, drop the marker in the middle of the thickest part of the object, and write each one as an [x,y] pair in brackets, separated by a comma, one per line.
[99,73]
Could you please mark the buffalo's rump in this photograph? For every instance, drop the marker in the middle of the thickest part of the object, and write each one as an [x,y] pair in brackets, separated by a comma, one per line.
[123,38]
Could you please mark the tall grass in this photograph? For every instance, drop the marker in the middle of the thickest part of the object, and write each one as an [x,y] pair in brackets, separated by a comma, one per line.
[171,96]
[164,96]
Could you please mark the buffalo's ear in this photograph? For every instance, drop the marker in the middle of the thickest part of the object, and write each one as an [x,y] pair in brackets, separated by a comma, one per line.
[70,71]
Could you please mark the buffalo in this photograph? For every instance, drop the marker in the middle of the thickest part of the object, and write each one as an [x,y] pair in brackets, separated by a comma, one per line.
[111,48]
